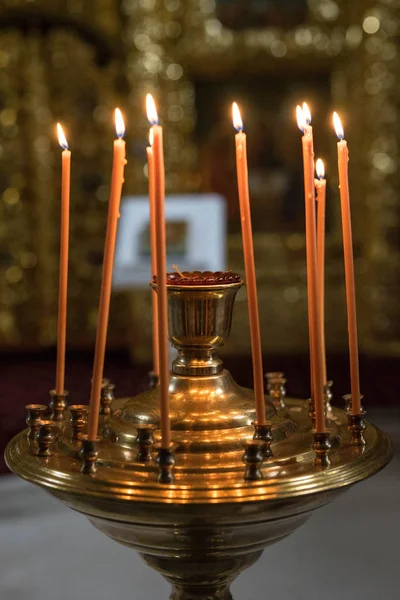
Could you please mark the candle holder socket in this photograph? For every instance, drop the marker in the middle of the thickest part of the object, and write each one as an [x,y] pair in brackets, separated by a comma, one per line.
[45,438]
[165,461]
[154,380]
[145,442]
[89,455]
[106,397]
[321,447]
[276,389]
[357,426]
[263,433]
[58,404]
[34,418]
[78,420]
[253,458]
[348,408]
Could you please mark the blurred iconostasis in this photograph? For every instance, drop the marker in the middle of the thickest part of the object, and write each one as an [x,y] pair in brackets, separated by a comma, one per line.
[74,61]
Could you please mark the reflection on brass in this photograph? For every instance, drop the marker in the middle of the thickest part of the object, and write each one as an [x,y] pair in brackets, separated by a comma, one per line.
[321,447]
[253,459]
[88,454]
[263,433]
[165,461]
[78,420]
[328,395]
[58,404]
[357,427]
[144,441]
[276,389]
[311,413]
[106,397]
[35,415]
[204,525]
[45,438]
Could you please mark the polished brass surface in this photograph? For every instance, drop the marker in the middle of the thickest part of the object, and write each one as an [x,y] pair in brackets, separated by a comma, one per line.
[58,404]
[153,379]
[215,517]
[34,418]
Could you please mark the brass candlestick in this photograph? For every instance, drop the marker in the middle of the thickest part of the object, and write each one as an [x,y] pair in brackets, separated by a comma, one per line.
[218,513]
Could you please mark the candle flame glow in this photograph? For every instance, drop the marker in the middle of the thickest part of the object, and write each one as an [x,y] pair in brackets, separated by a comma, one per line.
[119,123]
[320,169]
[151,110]
[62,140]
[306,113]
[237,118]
[301,120]
[337,123]
[151,136]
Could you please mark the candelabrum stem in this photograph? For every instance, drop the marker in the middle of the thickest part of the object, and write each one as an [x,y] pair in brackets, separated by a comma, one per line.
[208,593]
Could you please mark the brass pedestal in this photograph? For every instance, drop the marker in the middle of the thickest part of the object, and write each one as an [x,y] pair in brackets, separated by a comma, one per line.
[207,526]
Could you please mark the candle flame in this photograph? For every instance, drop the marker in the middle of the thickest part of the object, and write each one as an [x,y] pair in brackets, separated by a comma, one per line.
[237,118]
[151,110]
[151,136]
[337,123]
[306,113]
[119,123]
[320,168]
[62,140]
[301,120]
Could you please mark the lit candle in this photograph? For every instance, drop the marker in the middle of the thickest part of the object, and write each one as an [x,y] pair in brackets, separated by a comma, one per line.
[157,175]
[303,121]
[63,275]
[343,159]
[248,250]
[150,164]
[117,181]
[320,186]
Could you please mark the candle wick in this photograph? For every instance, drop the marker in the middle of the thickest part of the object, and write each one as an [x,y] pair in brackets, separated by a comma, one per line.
[178,271]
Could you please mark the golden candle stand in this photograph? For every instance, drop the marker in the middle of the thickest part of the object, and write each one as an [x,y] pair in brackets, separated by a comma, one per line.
[204,510]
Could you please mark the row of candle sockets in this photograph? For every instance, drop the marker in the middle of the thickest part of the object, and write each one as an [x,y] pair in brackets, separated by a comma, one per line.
[157,230]
[44,433]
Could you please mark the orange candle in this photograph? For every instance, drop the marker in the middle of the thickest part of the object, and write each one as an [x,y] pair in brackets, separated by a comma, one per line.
[117,181]
[63,275]
[248,250]
[157,184]
[343,159]
[303,122]
[150,164]
[320,186]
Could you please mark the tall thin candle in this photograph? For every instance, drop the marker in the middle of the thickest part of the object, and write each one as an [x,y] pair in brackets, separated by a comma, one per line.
[63,275]
[249,265]
[154,270]
[312,271]
[320,186]
[158,183]
[117,181]
[343,159]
